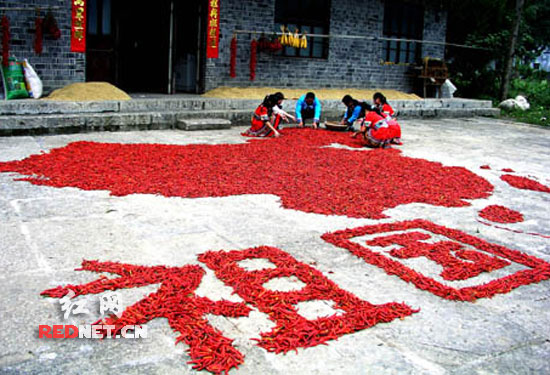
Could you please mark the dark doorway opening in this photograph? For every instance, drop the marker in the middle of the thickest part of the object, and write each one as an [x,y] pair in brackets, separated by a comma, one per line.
[145,46]
[188,42]
[143,28]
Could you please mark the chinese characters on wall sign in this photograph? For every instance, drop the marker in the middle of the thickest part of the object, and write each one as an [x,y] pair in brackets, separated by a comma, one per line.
[213,29]
[78,26]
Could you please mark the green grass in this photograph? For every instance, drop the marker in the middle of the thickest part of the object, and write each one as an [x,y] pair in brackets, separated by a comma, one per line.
[535,115]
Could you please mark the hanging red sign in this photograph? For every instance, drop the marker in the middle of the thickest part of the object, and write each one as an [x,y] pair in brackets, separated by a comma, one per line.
[213,29]
[78,27]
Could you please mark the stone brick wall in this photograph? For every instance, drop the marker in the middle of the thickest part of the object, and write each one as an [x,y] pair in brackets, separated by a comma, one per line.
[56,66]
[435,29]
[351,63]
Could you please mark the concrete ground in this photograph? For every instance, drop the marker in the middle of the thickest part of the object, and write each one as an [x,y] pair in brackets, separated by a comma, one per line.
[45,233]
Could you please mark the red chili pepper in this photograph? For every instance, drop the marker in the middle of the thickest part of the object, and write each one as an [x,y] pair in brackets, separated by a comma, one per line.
[233,58]
[456,269]
[292,330]
[525,183]
[322,186]
[500,214]
[253,59]
[184,311]
[38,37]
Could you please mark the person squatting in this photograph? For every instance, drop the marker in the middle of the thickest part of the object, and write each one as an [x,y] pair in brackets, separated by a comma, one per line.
[376,122]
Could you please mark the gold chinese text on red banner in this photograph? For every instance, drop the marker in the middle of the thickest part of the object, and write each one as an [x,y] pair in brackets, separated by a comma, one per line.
[78,27]
[213,29]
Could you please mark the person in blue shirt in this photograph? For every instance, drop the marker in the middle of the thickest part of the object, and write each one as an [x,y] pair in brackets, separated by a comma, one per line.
[308,107]
[355,112]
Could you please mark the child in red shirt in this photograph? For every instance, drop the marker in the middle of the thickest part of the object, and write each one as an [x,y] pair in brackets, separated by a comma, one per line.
[381,103]
[261,120]
[385,110]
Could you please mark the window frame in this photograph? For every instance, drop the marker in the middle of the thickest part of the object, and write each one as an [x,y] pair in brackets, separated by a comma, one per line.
[405,16]
[100,21]
[300,23]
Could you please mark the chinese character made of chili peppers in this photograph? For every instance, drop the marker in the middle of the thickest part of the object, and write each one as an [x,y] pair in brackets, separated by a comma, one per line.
[293,331]
[174,300]
[463,257]
[209,350]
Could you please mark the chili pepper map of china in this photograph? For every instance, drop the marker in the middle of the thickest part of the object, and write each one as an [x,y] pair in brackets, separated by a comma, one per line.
[322,186]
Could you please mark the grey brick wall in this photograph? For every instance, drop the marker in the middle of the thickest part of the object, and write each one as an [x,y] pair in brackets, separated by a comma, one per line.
[351,63]
[56,66]
[435,29]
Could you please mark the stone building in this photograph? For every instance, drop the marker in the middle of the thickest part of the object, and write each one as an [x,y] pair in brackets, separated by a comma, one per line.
[144,46]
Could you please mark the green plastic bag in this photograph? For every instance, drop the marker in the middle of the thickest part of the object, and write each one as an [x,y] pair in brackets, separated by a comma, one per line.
[14,80]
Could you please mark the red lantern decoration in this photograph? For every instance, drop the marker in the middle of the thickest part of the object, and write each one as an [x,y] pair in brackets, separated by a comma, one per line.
[38,24]
[233,58]
[5,40]
[253,51]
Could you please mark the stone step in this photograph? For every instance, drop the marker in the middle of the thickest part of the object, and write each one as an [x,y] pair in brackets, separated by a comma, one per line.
[88,122]
[46,107]
[203,124]
[115,121]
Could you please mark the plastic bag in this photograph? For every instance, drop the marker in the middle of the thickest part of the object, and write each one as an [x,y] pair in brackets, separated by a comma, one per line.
[448,89]
[522,103]
[518,103]
[34,84]
[14,80]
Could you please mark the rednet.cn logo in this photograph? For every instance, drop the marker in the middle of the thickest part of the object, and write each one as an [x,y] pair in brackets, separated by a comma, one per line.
[96,331]
[109,302]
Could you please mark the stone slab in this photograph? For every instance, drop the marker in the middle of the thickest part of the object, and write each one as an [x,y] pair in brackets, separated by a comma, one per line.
[203,124]
[176,110]
[34,107]
[45,107]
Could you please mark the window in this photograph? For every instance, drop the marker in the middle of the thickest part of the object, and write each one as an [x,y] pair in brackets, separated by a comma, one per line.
[404,21]
[309,17]
[99,17]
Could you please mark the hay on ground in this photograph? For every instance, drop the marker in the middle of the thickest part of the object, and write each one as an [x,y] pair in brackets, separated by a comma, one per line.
[88,91]
[323,94]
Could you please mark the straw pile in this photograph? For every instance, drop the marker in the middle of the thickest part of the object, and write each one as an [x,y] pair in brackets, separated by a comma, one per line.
[323,94]
[88,91]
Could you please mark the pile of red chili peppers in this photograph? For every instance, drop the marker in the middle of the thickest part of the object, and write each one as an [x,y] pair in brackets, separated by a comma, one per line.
[520,182]
[174,300]
[296,167]
[310,177]
[473,263]
[186,312]
[524,183]
[292,330]
[501,214]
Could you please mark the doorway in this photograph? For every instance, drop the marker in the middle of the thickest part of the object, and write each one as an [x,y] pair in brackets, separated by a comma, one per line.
[145,46]
[188,43]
